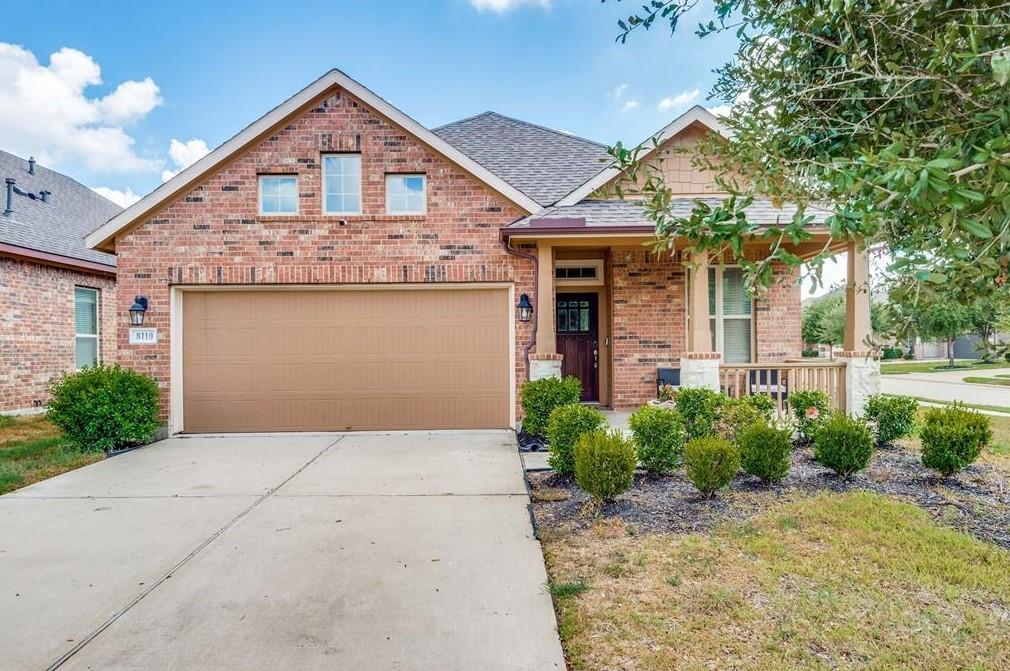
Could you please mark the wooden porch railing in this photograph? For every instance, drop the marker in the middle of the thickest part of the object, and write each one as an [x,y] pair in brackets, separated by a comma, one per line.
[780,379]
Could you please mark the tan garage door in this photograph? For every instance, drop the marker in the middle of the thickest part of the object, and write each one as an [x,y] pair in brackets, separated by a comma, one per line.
[355,359]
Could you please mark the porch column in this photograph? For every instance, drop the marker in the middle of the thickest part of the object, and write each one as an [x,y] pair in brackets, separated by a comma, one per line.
[862,365]
[545,362]
[699,365]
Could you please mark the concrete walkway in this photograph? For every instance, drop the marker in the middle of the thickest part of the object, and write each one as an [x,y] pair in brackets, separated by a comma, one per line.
[361,551]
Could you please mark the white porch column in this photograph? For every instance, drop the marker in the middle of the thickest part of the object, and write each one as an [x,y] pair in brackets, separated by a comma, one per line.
[545,362]
[862,365]
[699,365]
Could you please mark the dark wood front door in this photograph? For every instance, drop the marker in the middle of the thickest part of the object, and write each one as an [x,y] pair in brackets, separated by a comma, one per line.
[577,325]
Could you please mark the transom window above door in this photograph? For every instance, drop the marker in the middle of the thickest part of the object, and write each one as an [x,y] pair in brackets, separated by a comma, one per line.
[406,194]
[573,316]
[278,194]
[342,183]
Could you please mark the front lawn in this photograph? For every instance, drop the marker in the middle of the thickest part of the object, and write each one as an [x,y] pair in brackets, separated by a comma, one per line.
[32,449]
[938,366]
[997,381]
[829,581]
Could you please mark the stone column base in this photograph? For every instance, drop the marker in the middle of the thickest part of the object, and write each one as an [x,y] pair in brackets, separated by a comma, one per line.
[862,379]
[544,364]
[700,370]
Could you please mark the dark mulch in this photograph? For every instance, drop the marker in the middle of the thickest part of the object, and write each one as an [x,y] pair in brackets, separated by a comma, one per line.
[976,501]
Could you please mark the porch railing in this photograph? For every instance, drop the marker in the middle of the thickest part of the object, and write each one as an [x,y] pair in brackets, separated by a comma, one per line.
[779,380]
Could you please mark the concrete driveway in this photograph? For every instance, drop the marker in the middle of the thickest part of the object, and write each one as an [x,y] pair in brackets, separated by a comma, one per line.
[358,551]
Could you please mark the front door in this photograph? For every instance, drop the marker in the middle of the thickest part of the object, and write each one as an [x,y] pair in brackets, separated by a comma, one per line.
[577,327]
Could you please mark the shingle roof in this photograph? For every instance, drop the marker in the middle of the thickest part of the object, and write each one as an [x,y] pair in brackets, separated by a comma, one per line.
[631,213]
[544,164]
[56,227]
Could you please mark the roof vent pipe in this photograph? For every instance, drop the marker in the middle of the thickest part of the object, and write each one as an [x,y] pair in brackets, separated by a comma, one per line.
[44,195]
[31,165]
[9,210]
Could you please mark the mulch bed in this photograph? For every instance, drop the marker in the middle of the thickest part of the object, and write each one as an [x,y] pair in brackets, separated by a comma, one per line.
[976,501]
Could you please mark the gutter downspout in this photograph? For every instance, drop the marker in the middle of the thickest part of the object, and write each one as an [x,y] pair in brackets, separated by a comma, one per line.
[533,322]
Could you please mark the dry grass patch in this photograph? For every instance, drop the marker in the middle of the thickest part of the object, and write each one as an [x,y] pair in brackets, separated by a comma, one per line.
[32,449]
[833,581]
[550,495]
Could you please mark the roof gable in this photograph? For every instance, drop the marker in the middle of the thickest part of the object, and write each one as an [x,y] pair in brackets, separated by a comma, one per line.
[104,237]
[543,163]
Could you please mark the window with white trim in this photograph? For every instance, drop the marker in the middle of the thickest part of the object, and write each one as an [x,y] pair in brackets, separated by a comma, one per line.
[86,351]
[406,194]
[278,194]
[730,314]
[342,183]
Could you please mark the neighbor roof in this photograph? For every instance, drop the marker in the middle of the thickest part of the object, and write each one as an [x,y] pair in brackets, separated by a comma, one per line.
[104,236]
[630,215]
[544,164]
[56,227]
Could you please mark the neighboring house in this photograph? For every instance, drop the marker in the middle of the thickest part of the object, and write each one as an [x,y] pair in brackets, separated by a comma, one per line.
[336,265]
[57,296]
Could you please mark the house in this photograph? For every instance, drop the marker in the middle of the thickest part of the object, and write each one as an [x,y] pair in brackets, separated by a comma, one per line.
[336,265]
[57,296]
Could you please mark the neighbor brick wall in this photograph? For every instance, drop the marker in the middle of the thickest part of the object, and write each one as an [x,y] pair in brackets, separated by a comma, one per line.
[212,233]
[37,327]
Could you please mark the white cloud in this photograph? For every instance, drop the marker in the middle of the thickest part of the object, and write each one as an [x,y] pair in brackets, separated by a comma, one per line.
[720,110]
[183,155]
[121,198]
[629,105]
[618,91]
[683,98]
[45,111]
[502,6]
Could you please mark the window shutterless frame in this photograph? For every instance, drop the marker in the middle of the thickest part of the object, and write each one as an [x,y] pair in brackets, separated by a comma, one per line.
[739,317]
[406,193]
[341,190]
[279,190]
[87,325]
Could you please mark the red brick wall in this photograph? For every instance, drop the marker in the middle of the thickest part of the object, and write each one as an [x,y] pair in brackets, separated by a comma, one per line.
[778,317]
[213,234]
[37,327]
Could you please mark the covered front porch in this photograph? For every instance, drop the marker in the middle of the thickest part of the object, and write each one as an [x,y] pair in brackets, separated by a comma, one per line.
[626,320]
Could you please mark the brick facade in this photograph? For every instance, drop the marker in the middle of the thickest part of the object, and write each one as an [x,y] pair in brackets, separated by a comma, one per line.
[37,327]
[214,235]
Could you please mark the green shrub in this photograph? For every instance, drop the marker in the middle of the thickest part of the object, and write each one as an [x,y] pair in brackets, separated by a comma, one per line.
[810,354]
[540,397]
[659,435]
[893,415]
[105,407]
[605,464]
[711,463]
[565,426]
[737,414]
[811,409]
[699,408]
[844,444]
[765,451]
[953,437]
[889,353]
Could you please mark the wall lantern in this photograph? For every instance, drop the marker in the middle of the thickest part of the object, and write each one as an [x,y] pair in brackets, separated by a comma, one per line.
[137,311]
[525,308]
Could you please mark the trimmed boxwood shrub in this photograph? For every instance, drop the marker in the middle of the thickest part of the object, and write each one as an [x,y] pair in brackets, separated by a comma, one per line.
[699,408]
[765,451]
[105,407]
[953,437]
[893,415]
[711,463]
[565,427]
[659,435]
[811,409]
[540,397]
[844,444]
[605,464]
[737,414]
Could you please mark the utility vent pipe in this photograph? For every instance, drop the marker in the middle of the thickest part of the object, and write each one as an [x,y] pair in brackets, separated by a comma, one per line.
[9,209]
[31,165]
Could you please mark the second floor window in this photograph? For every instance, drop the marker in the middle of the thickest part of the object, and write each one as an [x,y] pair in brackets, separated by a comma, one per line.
[278,194]
[405,194]
[342,184]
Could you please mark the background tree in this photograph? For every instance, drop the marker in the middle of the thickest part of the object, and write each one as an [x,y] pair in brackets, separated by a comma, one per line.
[893,113]
[943,319]
[824,320]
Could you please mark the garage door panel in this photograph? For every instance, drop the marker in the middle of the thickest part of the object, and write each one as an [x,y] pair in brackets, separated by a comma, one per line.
[346,359]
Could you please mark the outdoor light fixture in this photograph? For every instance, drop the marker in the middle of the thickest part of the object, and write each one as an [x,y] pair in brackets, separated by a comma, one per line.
[525,308]
[137,311]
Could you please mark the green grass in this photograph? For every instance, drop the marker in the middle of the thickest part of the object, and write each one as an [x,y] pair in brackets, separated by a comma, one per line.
[832,581]
[564,590]
[32,449]
[938,366]
[1000,381]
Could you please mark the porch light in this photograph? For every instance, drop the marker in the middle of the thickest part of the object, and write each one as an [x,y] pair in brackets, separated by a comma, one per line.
[525,308]
[137,311]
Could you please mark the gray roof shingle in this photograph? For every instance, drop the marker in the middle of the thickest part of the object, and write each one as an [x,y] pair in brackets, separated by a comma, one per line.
[631,213]
[56,227]
[544,164]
